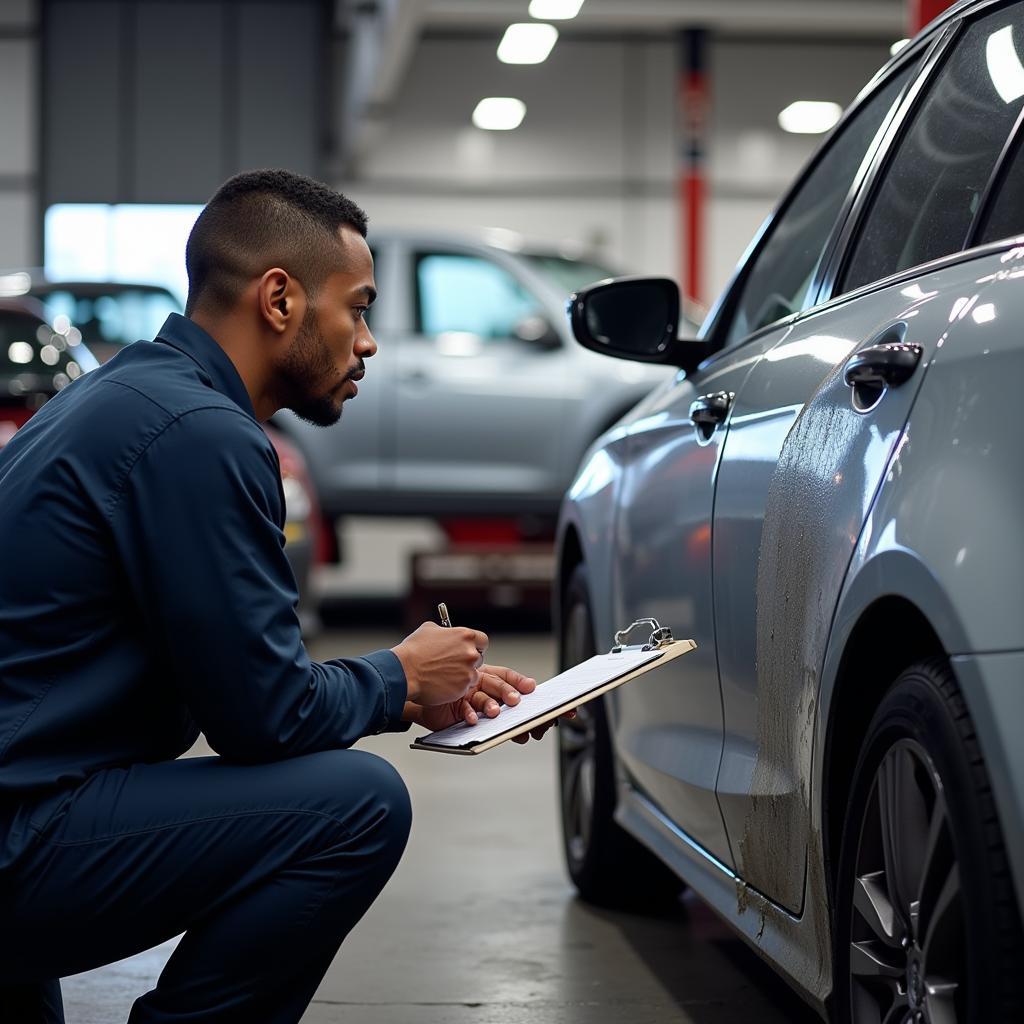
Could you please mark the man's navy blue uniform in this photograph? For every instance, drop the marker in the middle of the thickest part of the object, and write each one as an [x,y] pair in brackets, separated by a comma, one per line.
[144,596]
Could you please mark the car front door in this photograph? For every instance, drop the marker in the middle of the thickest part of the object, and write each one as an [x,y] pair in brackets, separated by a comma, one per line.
[479,402]
[670,732]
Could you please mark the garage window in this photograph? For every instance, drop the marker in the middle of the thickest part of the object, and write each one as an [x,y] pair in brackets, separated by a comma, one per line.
[931,191]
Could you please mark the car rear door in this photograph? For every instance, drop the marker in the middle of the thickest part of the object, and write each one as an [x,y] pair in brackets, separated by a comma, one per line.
[816,428]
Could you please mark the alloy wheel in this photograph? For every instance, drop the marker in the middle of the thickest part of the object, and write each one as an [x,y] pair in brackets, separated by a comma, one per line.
[907,947]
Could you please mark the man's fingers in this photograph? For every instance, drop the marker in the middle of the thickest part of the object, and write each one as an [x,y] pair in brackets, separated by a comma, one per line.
[497,688]
[479,640]
[483,702]
[515,680]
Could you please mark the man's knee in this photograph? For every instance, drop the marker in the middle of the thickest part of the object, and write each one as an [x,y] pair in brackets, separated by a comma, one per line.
[381,812]
[390,791]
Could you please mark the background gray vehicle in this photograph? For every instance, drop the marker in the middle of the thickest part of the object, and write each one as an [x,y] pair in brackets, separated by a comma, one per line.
[108,314]
[478,402]
[828,499]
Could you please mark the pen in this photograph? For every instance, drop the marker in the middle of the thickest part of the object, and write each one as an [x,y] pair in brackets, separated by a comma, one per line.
[442,611]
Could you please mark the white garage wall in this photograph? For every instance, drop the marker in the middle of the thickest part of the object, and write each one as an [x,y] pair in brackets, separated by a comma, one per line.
[18,140]
[594,163]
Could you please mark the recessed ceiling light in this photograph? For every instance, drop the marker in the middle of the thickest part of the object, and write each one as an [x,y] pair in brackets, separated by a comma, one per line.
[555,10]
[809,117]
[1004,66]
[527,43]
[499,113]
[897,46]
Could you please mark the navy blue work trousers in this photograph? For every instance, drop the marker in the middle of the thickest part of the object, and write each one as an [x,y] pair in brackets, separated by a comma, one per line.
[265,868]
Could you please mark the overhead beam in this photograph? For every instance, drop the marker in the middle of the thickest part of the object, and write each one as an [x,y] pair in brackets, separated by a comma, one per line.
[782,17]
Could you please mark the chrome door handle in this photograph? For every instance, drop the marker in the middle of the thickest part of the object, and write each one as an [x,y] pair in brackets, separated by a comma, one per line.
[708,411]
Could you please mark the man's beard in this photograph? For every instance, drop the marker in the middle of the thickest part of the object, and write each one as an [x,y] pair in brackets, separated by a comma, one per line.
[307,365]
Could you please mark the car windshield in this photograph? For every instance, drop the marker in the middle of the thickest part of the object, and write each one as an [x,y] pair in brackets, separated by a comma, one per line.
[111,318]
[35,358]
[567,274]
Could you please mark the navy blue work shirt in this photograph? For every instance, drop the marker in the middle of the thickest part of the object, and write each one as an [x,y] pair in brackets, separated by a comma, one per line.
[145,594]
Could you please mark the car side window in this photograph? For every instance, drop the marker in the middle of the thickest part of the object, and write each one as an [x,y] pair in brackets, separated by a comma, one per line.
[930,192]
[1005,215]
[465,294]
[778,283]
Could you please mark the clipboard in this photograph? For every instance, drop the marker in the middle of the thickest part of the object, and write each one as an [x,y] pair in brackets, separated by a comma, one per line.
[570,689]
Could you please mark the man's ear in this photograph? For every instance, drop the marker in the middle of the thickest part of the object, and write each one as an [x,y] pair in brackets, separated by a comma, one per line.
[281,300]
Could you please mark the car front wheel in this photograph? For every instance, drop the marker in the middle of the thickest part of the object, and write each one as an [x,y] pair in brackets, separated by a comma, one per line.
[927,929]
[607,865]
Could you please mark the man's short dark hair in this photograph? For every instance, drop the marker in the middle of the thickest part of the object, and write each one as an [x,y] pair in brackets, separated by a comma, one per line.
[262,219]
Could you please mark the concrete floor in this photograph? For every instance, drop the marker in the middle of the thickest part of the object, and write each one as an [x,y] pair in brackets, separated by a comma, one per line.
[480,924]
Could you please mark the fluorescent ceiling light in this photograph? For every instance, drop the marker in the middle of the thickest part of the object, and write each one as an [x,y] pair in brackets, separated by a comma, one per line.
[527,43]
[809,117]
[1004,67]
[15,284]
[897,46]
[555,10]
[499,113]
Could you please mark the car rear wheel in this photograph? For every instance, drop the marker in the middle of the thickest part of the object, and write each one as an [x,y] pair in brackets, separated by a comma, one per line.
[927,929]
[606,864]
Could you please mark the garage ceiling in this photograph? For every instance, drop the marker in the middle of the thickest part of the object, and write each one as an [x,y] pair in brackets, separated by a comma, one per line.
[781,17]
[384,34]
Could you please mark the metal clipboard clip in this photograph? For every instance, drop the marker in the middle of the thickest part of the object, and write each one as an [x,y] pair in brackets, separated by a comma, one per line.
[661,636]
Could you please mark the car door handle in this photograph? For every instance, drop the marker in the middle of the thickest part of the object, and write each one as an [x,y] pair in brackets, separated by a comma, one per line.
[413,376]
[708,411]
[875,369]
[883,366]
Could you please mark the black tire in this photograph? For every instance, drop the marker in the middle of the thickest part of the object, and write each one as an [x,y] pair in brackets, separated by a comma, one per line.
[606,864]
[927,927]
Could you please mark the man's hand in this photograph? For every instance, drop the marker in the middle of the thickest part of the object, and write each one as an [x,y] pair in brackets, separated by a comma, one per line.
[495,686]
[441,663]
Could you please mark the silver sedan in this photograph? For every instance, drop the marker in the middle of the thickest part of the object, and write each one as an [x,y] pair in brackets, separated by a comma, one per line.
[828,499]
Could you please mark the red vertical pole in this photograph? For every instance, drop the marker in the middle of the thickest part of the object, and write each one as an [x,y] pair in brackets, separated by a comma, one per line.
[920,12]
[693,117]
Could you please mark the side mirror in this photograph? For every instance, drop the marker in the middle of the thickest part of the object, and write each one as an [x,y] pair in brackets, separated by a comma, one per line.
[634,318]
[537,330]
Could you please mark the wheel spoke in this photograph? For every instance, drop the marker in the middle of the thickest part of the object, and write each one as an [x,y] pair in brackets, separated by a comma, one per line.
[871,901]
[571,767]
[586,799]
[940,1002]
[938,858]
[872,959]
[899,1013]
[904,824]
[574,738]
[944,928]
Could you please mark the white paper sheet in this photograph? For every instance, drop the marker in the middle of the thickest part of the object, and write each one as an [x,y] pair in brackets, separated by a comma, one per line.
[568,685]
